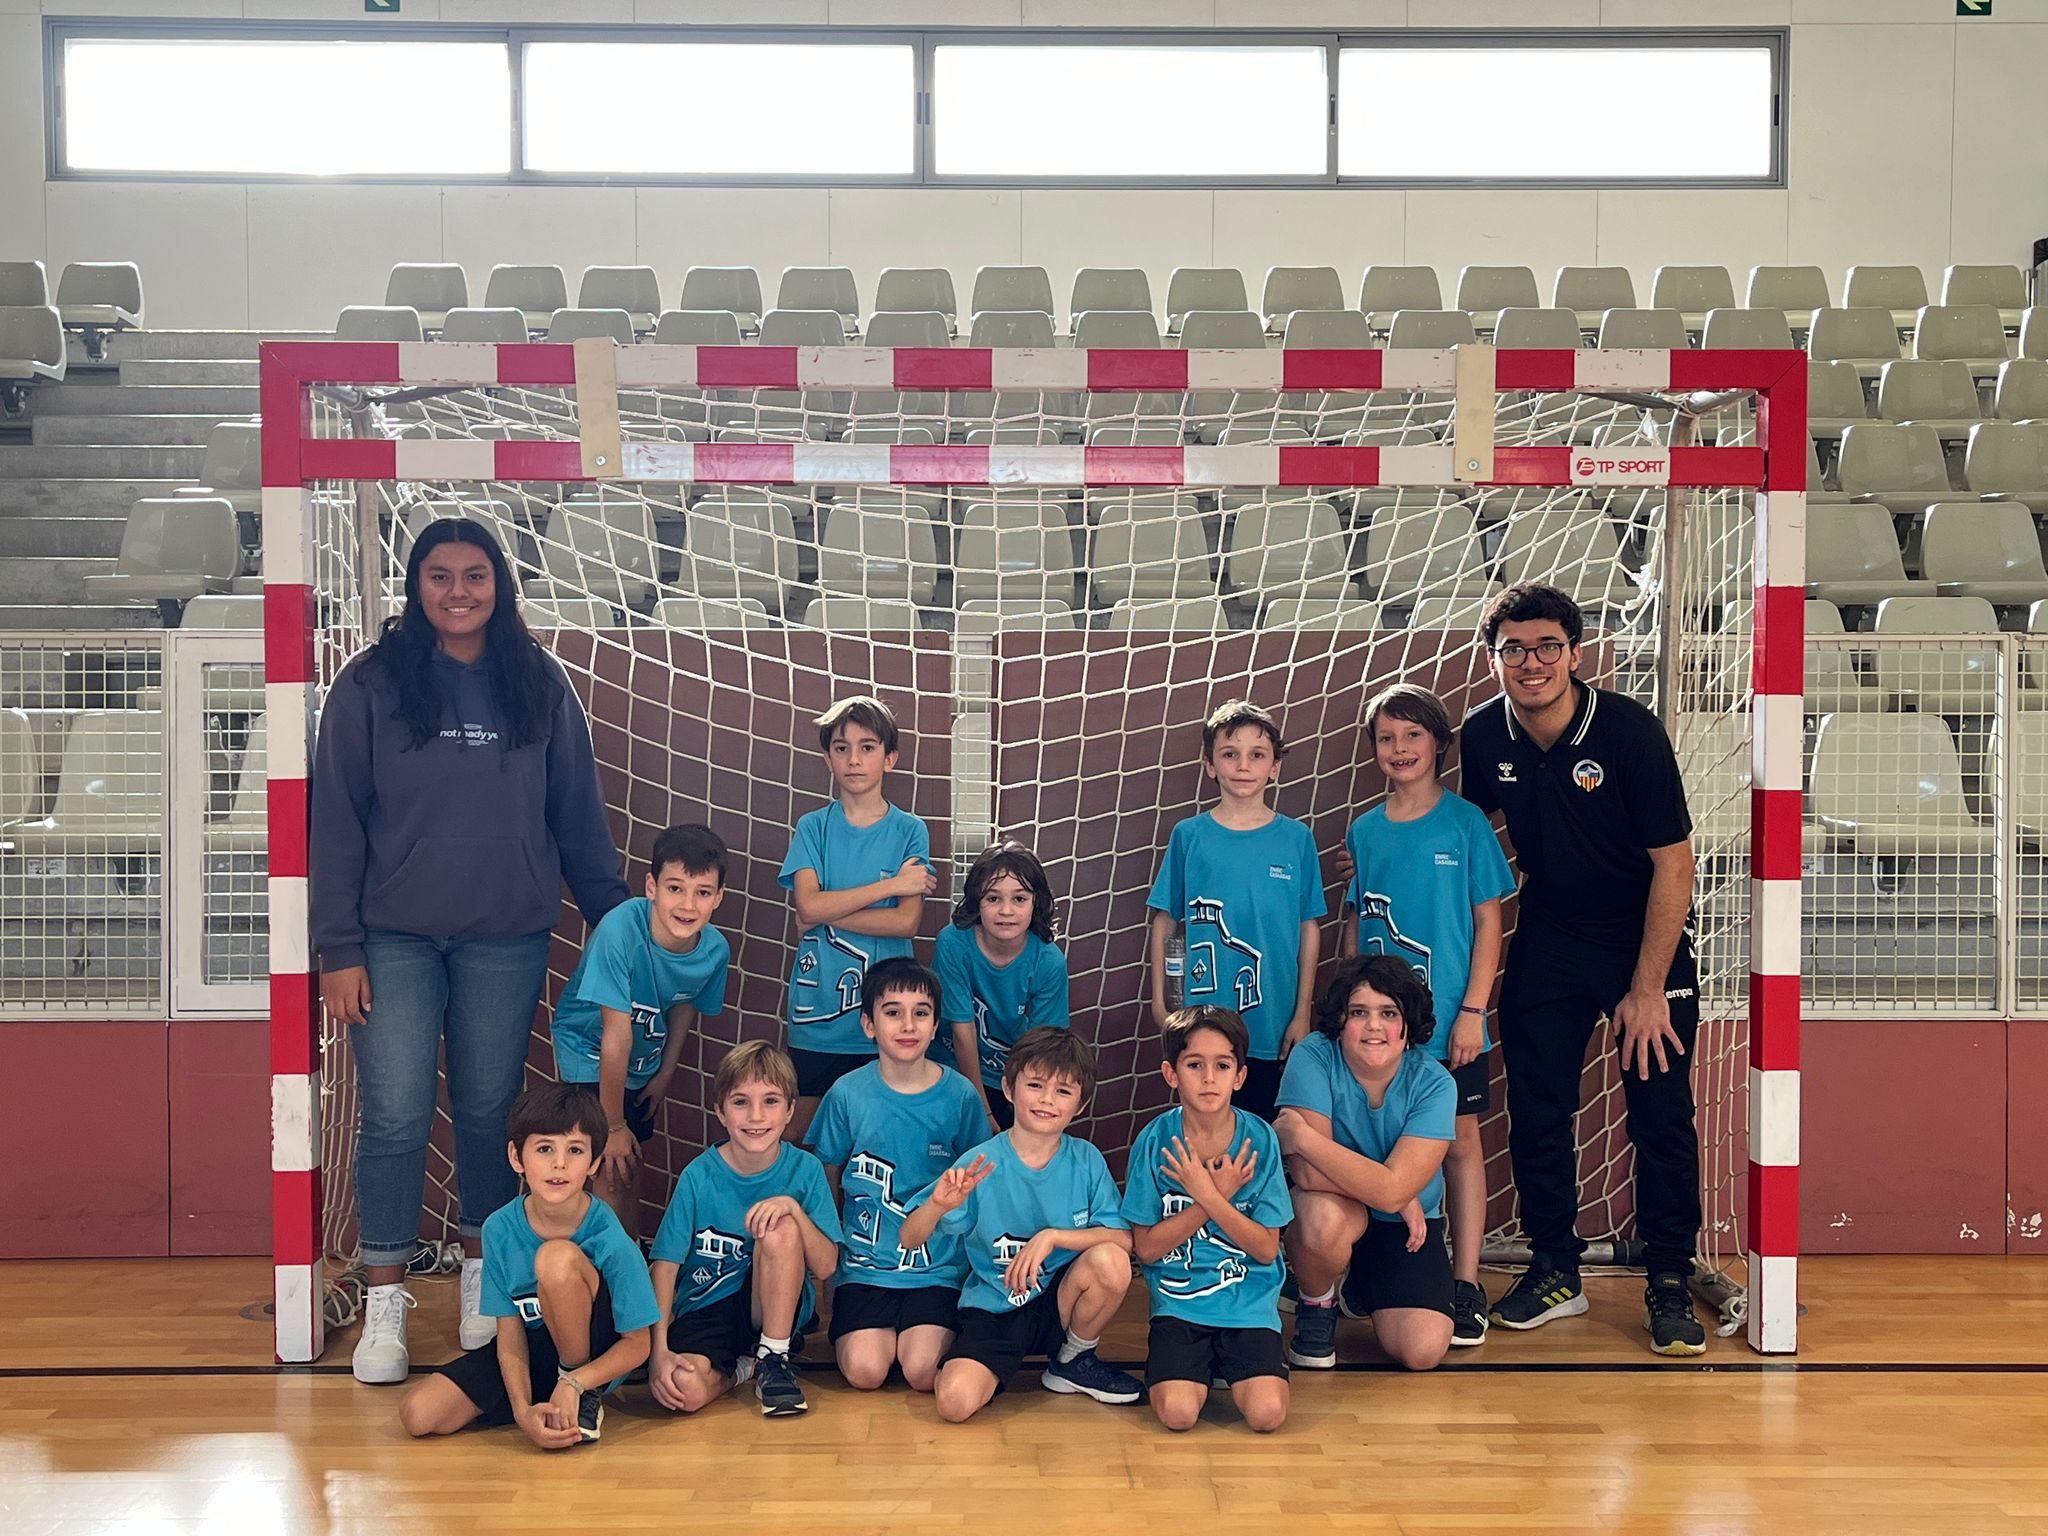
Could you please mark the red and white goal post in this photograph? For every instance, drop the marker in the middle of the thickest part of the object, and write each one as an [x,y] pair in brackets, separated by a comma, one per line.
[1670,486]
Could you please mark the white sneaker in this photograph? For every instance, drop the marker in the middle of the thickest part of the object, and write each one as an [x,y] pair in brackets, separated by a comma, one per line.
[477,1330]
[380,1353]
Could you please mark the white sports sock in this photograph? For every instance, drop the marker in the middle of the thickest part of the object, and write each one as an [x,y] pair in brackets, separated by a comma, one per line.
[1328,1298]
[771,1347]
[1076,1345]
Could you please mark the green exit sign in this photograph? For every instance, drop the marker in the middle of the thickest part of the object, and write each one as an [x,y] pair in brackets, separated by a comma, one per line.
[390,7]
[1963,7]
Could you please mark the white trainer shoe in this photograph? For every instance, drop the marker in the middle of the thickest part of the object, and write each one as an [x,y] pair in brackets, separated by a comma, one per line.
[477,1330]
[381,1354]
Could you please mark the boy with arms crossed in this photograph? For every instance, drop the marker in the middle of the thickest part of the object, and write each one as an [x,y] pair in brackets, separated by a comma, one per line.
[652,968]
[1247,883]
[1048,1253]
[860,870]
[750,1222]
[565,1283]
[1206,1203]
[889,1129]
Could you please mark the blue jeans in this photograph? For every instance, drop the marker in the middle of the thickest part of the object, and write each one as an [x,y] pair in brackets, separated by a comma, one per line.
[479,992]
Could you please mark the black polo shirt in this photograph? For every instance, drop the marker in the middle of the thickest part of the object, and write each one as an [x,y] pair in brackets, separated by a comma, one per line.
[1583,815]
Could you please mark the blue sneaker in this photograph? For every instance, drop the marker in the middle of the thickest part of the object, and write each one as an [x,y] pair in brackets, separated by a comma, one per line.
[1087,1375]
[1314,1345]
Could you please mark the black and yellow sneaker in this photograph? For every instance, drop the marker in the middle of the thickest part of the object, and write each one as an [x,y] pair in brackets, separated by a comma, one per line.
[1540,1296]
[1668,1318]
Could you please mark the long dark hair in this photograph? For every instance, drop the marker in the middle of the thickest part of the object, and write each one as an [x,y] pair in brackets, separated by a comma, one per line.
[1391,977]
[524,687]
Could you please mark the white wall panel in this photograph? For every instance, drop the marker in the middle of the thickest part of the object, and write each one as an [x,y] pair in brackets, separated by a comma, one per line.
[1311,13]
[572,227]
[22,235]
[1125,13]
[764,228]
[2001,156]
[1503,13]
[752,13]
[1539,230]
[1871,121]
[1157,230]
[1308,228]
[1645,230]
[957,228]
[925,13]
[191,241]
[313,250]
[1688,13]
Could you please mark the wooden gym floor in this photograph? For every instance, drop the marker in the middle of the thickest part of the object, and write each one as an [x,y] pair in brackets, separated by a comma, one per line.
[140,1397]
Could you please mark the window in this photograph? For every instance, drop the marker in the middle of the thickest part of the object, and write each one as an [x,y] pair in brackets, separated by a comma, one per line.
[721,109]
[1556,111]
[286,107]
[1207,112]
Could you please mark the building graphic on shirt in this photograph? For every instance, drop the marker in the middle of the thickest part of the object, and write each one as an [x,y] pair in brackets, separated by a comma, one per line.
[1006,1248]
[713,1256]
[1206,1263]
[805,1004]
[994,1055]
[1226,961]
[1376,907]
[870,1185]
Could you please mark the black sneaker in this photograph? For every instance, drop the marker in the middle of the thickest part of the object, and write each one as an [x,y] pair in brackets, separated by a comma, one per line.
[1667,1316]
[1088,1375]
[1468,1314]
[1539,1296]
[1314,1345]
[589,1415]
[775,1384]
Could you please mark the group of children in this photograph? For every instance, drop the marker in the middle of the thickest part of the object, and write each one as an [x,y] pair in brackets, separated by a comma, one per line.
[969,1230]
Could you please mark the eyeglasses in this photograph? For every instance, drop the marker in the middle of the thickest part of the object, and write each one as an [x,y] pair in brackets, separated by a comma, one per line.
[1513,654]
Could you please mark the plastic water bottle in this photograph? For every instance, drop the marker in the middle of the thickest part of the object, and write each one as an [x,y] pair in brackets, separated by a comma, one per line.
[1176,969]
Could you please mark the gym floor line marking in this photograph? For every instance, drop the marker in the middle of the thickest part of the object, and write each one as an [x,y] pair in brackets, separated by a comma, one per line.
[1362,1367]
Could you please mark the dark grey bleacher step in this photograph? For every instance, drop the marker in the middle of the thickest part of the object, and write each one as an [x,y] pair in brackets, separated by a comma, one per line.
[60,497]
[69,399]
[86,616]
[29,462]
[134,346]
[134,431]
[55,580]
[184,370]
[38,538]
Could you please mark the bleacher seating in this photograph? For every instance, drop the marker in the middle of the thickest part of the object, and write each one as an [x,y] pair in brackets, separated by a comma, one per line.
[109,800]
[31,350]
[876,549]
[554,612]
[1149,545]
[740,543]
[1175,615]
[1385,289]
[860,615]
[601,547]
[1867,336]
[233,466]
[917,290]
[432,288]
[1431,328]
[1538,328]
[1286,546]
[1294,288]
[1833,683]
[1014,547]
[172,548]
[2009,460]
[1900,291]
[97,298]
[1484,291]
[23,285]
[1659,329]
[1692,291]
[483,325]
[1109,288]
[1983,549]
[702,613]
[1191,290]
[380,322]
[1891,786]
[636,290]
[2003,287]
[1348,612]
[1763,329]
[1970,333]
[1590,292]
[1798,291]
[570,325]
[1011,289]
[536,291]
[736,290]
[1941,680]
[1941,395]
[821,288]
[1853,556]
[1834,399]
[1900,466]
[2022,392]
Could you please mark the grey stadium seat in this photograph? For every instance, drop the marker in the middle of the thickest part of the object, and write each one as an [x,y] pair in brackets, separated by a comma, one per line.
[1942,395]
[821,288]
[1484,292]
[2003,287]
[1011,288]
[1941,680]
[1109,288]
[1763,329]
[432,288]
[1291,288]
[1867,336]
[96,297]
[1798,291]
[233,466]
[172,548]
[1592,291]
[1192,289]
[2022,390]
[535,291]
[1692,291]
[2009,460]
[379,322]
[917,290]
[1853,556]
[1901,466]
[1900,290]
[23,284]
[483,325]
[31,349]
[1969,333]
[1431,329]
[1384,289]
[736,290]
[636,290]
[1984,549]
[1656,329]
[1834,399]
[576,324]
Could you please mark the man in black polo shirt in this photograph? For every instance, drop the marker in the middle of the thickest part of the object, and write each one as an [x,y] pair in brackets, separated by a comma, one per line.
[1591,793]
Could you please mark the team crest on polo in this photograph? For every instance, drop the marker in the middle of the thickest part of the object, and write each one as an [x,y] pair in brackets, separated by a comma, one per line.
[1588,774]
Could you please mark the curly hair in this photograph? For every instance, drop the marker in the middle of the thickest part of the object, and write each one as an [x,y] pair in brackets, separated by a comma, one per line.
[1021,864]
[1389,977]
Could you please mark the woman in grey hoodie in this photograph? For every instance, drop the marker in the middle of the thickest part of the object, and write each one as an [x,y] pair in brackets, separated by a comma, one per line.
[454,792]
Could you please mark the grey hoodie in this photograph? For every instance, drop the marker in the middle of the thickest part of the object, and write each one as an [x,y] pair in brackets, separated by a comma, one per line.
[458,836]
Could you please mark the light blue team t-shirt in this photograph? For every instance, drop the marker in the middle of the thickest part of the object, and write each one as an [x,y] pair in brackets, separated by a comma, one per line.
[1243,897]
[704,1229]
[825,978]
[1416,886]
[624,969]
[510,1289]
[1016,1203]
[1421,1101]
[1000,1001]
[1208,1280]
[888,1146]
